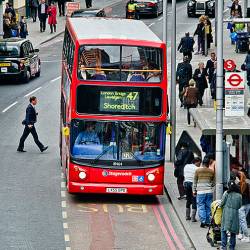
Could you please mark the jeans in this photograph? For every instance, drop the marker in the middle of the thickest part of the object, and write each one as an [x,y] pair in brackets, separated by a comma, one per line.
[191,200]
[232,241]
[243,212]
[204,207]
[189,106]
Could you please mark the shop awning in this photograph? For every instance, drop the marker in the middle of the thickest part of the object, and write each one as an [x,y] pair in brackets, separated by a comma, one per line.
[206,120]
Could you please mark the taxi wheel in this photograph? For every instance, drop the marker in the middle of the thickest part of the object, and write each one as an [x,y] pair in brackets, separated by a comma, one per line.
[27,76]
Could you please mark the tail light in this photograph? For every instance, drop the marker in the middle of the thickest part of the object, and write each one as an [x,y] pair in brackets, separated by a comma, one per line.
[151,4]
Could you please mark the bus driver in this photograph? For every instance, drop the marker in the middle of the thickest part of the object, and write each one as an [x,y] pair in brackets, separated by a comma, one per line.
[88,136]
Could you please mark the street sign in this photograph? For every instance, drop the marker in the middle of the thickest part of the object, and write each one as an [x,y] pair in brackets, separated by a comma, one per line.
[72,6]
[234,93]
[229,65]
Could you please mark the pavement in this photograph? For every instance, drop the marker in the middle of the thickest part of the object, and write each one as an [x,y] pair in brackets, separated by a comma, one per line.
[38,38]
[196,234]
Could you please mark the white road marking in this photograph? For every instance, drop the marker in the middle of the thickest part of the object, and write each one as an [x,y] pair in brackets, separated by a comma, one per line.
[66,237]
[64,215]
[68,248]
[57,78]
[151,24]
[63,185]
[50,61]
[160,18]
[32,92]
[64,204]
[65,225]
[63,194]
[14,103]
[62,175]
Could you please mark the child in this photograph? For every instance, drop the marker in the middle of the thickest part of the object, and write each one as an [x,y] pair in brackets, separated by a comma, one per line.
[23,28]
[231,203]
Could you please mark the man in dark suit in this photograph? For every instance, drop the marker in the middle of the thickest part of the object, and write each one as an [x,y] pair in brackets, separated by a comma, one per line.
[61,7]
[29,122]
[88,3]
[42,15]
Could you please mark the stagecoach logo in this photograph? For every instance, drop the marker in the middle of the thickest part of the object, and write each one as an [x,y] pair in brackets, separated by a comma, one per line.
[116,174]
[105,173]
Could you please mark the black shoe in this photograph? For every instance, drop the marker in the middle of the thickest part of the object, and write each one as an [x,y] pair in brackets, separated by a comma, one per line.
[203,225]
[181,197]
[188,218]
[44,148]
[21,150]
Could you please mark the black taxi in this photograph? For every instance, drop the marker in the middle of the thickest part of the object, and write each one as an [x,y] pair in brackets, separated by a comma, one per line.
[18,60]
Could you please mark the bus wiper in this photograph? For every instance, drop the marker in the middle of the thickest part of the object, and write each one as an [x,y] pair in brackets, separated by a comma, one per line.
[102,154]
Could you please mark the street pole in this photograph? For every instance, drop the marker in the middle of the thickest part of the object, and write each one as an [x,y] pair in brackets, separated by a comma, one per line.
[165,21]
[173,83]
[219,104]
[216,22]
[1,19]
[244,9]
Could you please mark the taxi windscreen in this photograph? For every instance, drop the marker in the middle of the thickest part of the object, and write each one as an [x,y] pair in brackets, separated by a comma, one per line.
[9,50]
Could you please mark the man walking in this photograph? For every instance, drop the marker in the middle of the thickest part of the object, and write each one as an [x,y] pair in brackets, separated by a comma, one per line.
[29,123]
[34,6]
[42,15]
[183,75]
[204,181]
[61,7]
[88,3]
[186,46]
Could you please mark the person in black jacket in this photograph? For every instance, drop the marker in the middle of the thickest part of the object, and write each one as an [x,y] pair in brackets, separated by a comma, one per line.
[183,157]
[29,123]
[33,7]
[42,15]
[88,3]
[236,7]
[183,75]
[200,32]
[61,7]
[200,76]
[186,46]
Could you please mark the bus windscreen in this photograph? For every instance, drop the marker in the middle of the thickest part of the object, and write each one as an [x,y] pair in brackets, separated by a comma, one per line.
[118,63]
[119,100]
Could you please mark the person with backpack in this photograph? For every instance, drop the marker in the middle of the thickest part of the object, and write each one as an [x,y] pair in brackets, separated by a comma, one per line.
[183,76]
[186,46]
[231,202]
[183,157]
[191,97]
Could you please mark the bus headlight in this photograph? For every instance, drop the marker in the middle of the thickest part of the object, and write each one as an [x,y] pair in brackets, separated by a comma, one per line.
[151,177]
[82,175]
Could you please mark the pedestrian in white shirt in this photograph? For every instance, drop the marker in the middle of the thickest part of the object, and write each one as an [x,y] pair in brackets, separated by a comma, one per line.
[189,171]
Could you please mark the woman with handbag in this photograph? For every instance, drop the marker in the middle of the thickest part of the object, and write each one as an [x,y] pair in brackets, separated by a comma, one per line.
[52,17]
[191,97]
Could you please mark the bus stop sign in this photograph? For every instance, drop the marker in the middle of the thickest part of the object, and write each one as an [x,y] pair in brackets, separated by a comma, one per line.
[229,65]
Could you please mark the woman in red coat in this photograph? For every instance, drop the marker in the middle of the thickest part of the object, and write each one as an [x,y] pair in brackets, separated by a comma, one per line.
[52,17]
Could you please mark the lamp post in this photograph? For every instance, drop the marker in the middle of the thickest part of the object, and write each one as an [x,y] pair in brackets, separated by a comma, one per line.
[173,82]
[219,103]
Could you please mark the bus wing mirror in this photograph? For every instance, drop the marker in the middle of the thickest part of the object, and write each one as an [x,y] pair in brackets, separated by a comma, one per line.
[65,131]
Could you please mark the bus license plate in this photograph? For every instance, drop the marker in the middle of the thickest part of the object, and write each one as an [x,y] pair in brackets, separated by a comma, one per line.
[116,190]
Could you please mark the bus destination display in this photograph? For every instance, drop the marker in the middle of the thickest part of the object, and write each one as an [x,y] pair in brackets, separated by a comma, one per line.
[117,101]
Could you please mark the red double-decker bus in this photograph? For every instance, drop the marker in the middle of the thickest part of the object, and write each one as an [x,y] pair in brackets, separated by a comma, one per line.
[113,107]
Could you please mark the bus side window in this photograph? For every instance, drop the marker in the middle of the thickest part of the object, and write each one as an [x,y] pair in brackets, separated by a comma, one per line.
[63,110]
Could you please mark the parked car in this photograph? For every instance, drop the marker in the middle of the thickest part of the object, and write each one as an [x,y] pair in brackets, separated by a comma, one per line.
[149,7]
[90,12]
[201,7]
[18,60]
